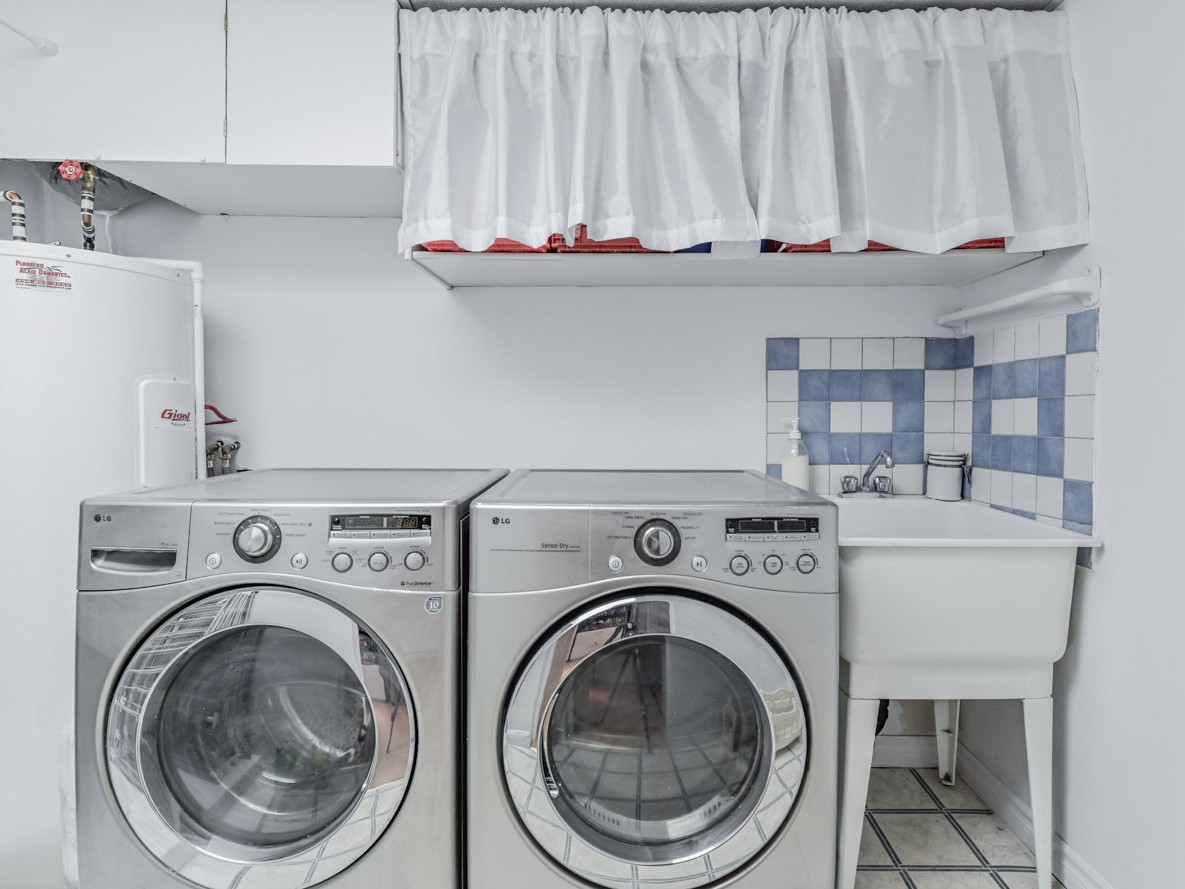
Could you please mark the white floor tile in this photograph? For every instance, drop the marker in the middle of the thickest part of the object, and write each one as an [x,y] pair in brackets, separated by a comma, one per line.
[958,796]
[781,385]
[953,880]
[814,353]
[878,354]
[1052,336]
[997,843]
[1024,416]
[872,850]
[909,353]
[940,385]
[871,879]
[897,789]
[925,839]
[846,354]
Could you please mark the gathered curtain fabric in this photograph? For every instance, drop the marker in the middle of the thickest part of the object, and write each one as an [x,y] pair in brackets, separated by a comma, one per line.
[918,129]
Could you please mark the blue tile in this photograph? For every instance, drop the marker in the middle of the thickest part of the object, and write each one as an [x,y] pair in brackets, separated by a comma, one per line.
[815,416]
[940,354]
[1082,331]
[845,385]
[872,443]
[981,451]
[814,385]
[909,385]
[876,385]
[845,449]
[1078,502]
[1051,376]
[1051,456]
[1051,416]
[1079,527]
[1024,378]
[909,416]
[907,447]
[965,352]
[1024,514]
[1024,453]
[1002,452]
[1003,380]
[774,469]
[818,447]
[781,353]
[982,382]
[981,417]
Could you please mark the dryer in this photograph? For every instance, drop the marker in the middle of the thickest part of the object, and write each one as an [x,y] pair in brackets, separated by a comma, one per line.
[652,682]
[268,681]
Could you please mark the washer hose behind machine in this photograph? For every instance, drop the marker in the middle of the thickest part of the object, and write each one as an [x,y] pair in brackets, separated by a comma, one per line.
[19,231]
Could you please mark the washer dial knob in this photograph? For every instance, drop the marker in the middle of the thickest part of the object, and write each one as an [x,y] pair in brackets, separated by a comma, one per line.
[257,538]
[657,542]
[378,561]
[773,564]
[807,563]
[342,562]
[414,560]
[740,565]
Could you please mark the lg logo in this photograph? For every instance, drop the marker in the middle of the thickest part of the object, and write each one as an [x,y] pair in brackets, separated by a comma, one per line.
[501,521]
[99,517]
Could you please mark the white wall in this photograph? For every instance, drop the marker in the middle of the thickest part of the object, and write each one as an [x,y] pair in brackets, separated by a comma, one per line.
[1118,691]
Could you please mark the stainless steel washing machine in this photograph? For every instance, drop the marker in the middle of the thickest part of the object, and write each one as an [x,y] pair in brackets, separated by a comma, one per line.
[652,682]
[268,681]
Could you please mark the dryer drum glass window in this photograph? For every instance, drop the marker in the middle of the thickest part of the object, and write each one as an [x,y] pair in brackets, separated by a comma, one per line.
[257,725]
[655,731]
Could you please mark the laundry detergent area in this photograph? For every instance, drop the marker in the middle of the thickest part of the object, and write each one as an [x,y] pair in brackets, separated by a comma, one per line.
[544,445]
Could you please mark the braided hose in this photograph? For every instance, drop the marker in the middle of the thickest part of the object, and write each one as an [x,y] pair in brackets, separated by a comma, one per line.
[19,232]
[90,181]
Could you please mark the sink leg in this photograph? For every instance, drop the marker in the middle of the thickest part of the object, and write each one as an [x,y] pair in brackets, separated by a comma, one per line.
[946,731]
[1039,750]
[858,730]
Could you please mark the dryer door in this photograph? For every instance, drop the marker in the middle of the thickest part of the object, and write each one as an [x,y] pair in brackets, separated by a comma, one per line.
[260,737]
[656,739]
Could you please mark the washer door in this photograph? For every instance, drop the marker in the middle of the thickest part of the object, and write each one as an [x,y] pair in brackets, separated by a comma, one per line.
[657,739]
[260,733]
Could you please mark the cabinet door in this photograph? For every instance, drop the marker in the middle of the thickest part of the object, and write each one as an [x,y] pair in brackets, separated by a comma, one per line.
[310,82]
[133,80]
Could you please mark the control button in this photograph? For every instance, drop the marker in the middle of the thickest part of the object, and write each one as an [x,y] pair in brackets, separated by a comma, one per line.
[740,565]
[657,542]
[615,564]
[414,560]
[300,560]
[807,563]
[378,561]
[773,564]
[734,536]
[342,562]
[699,563]
[213,561]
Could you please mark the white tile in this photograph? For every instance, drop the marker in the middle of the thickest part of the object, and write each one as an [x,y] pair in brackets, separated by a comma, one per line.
[876,416]
[963,416]
[814,353]
[1001,488]
[1024,491]
[981,485]
[909,353]
[965,383]
[846,354]
[1004,345]
[781,385]
[773,447]
[938,441]
[1052,336]
[1024,416]
[1048,520]
[1080,416]
[962,443]
[983,348]
[940,385]
[939,417]
[845,416]
[821,479]
[1049,497]
[776,413]
[1081,368]
[1080,459]
[878,354]
[1028,341]
[907,478]
[1002,416]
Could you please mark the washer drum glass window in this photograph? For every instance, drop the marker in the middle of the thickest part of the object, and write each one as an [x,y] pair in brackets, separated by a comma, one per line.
[657,739]
[254,727]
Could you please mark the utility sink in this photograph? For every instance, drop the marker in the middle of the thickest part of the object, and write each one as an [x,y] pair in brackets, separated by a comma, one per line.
[932,592]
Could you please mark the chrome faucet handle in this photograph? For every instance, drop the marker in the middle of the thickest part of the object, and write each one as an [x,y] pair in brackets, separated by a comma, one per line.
[882,484]
[849,484]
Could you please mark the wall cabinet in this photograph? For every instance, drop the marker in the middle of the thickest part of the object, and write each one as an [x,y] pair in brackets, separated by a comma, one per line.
[135,80]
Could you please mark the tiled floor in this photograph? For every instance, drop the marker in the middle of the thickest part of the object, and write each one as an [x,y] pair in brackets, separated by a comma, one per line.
[921,834]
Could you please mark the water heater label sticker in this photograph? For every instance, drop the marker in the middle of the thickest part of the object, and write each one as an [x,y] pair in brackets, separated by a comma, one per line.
[39,276]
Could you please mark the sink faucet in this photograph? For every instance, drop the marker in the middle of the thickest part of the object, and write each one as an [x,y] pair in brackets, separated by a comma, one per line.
[883,456]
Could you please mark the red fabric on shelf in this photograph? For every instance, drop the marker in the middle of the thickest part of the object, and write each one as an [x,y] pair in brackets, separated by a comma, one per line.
[876,247]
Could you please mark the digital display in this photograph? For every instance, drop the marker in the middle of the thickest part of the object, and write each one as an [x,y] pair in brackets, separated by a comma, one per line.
[380,523]
[796,525]
[773,525]
[757,526]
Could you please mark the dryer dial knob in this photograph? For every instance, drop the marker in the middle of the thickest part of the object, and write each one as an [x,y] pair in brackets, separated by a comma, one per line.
[257,538]
[773,564]
[807,563]
[378,561]
[740,565]
[342,562]
[414,560]
[657,542]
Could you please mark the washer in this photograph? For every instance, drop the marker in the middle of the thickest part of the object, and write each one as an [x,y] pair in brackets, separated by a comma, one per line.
[268,674]
[652,682]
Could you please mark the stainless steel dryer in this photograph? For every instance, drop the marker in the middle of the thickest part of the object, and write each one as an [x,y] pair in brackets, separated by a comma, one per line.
[268,681]
[652,682]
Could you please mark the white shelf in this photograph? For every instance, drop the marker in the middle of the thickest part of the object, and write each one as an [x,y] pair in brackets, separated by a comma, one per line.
[704,270]
[1072,293]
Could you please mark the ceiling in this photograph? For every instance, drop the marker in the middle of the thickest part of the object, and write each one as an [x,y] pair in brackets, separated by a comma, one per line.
[714,5]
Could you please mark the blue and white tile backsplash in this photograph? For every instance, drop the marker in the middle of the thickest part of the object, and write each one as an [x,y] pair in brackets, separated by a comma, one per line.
[1020,400]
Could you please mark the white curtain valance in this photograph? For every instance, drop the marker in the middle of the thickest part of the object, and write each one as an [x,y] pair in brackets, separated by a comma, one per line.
[921,130]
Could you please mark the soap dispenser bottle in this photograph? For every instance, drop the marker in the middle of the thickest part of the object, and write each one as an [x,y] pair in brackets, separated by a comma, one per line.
[796,464]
